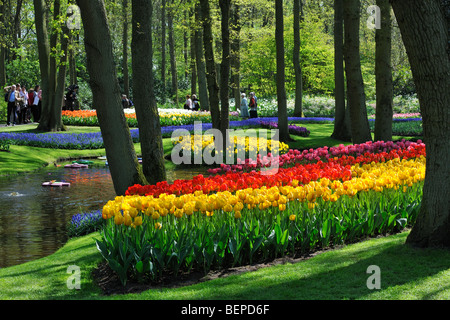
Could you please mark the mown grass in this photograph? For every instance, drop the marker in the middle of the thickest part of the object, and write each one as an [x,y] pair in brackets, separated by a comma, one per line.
[341,274]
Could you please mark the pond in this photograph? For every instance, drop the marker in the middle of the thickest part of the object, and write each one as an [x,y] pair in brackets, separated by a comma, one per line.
[33,219]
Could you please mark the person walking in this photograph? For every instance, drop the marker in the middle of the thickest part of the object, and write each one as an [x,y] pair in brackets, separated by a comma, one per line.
[24,110]
[19,104]
[244,107]
[188,103]
[35,104]
[11,109]
[253,106]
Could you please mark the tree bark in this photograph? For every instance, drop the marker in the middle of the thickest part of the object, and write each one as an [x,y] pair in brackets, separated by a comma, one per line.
[173,61]
[126,77]
[193,66]
[355,86]
[200,62]
[225,69]
[211,77]
[426,37]
[163,47]
[235,62]
[2,48]
[123,163]
[146,108]
[383,74]
[342,116]
[298,109]
[281,88]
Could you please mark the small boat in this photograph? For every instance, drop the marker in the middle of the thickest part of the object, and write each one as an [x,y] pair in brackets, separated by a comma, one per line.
[76,166]
[83,162]
[56,184]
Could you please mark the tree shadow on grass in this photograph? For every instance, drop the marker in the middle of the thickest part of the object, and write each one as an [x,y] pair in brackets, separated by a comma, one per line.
[337,275]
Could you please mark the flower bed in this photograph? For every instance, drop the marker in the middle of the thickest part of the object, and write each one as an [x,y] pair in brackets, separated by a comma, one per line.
[168,117]
[293,129]
[169,231]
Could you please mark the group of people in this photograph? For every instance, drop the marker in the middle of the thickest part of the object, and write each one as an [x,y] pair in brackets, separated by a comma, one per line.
[23,106]
[192,104]
[249,109]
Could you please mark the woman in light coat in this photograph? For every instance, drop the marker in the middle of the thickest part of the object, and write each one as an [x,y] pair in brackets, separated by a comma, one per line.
[244,107]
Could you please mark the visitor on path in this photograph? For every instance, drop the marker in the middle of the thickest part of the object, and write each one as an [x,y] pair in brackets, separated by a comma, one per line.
[36,103]
[188,103]
[11,109]
[71,97]
[244,107]
[30,104]
[195,103]
[24,109]
[20,110]
[125,102]
[253,106]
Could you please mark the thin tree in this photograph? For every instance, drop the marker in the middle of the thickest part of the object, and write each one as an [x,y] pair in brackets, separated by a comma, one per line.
[146,108]
[425,26]
[52,82]
[126,77]
[211,72]
[123,163]
[342,116]
[355,86]
[383,74]
[298,13]
[280,79]
[225,68]
[200,62]
[235,46]
[172,53]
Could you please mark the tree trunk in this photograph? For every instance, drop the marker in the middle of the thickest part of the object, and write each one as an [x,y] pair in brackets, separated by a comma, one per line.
[193,66]
[342,116]
[213,87]
[355,86]
[235,55]
[123,163]
[2,48]
[200,62]
[298,109]
[173,61]
[163,47]
[225,69]
[383,73]
[126,77]
[281,88]
[51,81]
[146,108]
[426,37]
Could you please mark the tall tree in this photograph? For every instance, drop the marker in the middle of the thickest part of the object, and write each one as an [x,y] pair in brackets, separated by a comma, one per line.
[383,74]
[126,77]
[355,86]
[225,69]
[281,78]
[52,83]
[298,13]
[3,35]
[172,53]
[425,31]
[146,108]
[124,166]
[200,62]
[211,75]
[235,45]
[163,46]
[342,116]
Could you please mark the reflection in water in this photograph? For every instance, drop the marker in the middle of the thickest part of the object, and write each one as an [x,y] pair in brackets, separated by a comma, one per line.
[33,218]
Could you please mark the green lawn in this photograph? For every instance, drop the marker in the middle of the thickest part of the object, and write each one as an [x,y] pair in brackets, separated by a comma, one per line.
[340,274]
[406,273]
